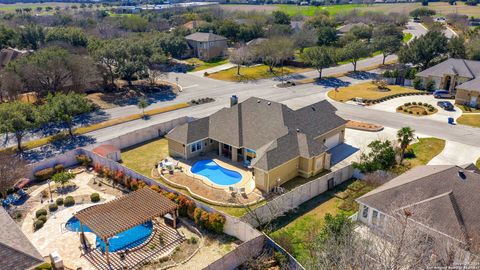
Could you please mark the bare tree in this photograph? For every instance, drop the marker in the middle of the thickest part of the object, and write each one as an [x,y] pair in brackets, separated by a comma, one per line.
[12,167]
[10,86]
[155,76]
[241,56]
[274,51]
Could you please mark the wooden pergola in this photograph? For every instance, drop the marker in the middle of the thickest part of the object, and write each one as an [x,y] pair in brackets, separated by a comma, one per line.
[123,213]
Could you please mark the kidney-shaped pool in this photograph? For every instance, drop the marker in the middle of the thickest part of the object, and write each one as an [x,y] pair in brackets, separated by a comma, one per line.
[216,173]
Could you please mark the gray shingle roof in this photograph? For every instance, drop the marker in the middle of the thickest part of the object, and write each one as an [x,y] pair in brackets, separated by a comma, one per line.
[438,197]
[7,55]
[204,37]
[463,68]
[347,27]
[16,251]
[266,127]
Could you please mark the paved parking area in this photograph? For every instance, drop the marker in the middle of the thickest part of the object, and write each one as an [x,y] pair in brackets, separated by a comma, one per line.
[442,115]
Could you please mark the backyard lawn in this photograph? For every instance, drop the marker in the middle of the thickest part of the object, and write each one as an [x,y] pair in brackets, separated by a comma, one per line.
[407,37]
[254,73]
[469,120]
[296,228]
[367,91]
[201,65]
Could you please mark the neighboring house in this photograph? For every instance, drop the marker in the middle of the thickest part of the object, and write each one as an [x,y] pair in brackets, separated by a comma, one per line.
[347,27]
[207,46]
[7,55]
[460,77]
[16,251]
[442,200]
[108,151]
[128,10]
[278,142]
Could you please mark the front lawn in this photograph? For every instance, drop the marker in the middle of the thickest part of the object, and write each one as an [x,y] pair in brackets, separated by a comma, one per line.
[407,37]
[420,153]
[468,109]
[201,65]
[367,91]
[478,163]
[469,120]
[254,73]
[295,228]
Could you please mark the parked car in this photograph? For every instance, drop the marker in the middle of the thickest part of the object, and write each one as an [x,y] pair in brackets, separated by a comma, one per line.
[417,20]
[443,94]
[446,105]
[440,19]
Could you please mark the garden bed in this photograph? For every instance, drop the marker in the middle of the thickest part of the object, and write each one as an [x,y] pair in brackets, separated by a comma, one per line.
[363,126]
[417,109]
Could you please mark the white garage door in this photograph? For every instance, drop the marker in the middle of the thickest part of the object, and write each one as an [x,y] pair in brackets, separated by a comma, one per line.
[332,141]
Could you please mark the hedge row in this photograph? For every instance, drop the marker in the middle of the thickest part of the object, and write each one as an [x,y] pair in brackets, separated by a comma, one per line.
[213,222]
[378,100]
[47,173]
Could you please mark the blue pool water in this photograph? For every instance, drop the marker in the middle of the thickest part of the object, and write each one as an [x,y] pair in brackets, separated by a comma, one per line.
[127,239]
[216,173]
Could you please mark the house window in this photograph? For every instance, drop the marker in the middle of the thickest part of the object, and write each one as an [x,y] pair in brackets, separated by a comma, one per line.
[365,212]
[211,43]
[374,217]
[197,146]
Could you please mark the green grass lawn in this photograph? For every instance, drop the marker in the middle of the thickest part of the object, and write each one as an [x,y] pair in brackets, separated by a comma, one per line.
[254,73]
[478,163]
[201,65]
[311,10]
[299,225]
[424,150]
[367,91]
[467,109]
[407,37]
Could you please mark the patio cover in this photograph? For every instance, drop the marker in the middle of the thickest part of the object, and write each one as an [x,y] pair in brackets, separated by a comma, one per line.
[123,213]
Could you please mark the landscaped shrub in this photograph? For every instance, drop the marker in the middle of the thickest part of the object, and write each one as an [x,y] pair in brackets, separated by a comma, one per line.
[410,112]
[119,176]
[42,218]
[342,195]
[215,222]
[357,185]
[430,85]
[408,104]
[59,168]
[52,207]
[84,160]
[414,103]
[106,172]
[38,224]
[62,177]
[98,168]
[59,201]
[424,112]
[417,83]
[69,201]
[44,174]
[193,240]
[94,197]
[41,212]
[431,109]
[134,184]
[186,207]
[347,205]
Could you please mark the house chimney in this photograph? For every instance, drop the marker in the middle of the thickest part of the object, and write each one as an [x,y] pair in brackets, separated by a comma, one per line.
[233,100]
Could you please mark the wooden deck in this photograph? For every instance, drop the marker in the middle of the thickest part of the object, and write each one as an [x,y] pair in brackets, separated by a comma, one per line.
[138,256]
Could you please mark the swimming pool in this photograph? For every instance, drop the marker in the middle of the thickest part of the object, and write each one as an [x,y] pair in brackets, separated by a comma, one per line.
[127,239]
[216,173]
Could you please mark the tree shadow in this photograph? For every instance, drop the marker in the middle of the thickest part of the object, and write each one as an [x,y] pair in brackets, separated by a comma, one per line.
[57,147]
[362,75]
[131,95]
[332,82]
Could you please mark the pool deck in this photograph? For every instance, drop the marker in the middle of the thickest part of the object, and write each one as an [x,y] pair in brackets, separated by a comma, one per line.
[202,188]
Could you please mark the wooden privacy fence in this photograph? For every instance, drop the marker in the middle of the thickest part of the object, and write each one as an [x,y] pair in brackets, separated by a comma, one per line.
[292,199]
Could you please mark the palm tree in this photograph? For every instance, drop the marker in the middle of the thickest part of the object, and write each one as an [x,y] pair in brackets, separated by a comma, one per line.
[405,136]
[142,104]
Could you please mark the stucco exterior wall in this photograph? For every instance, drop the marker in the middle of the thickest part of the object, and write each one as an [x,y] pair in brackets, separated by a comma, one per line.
[208,50]
[284,172]
[207,146]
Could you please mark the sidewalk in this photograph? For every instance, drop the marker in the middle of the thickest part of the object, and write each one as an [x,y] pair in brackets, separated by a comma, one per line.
[213,69]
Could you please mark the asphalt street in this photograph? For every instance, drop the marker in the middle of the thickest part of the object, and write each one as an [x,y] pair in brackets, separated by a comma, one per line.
[295,97]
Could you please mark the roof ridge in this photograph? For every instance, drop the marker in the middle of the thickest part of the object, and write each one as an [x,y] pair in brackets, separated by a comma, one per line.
[414,180]
[426,200]
[468,68]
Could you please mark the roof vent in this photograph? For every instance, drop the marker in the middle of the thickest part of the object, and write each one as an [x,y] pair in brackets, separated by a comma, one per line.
[258,101]
[298,130]
[269,103]
[313,108]
[462,175]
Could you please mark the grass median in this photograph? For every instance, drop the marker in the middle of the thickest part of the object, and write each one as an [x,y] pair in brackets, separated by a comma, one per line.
[254,73]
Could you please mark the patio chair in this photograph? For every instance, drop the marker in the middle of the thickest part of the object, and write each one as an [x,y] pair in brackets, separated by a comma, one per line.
[242,192]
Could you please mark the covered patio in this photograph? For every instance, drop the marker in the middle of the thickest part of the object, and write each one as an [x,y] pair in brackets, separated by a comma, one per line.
[121,214]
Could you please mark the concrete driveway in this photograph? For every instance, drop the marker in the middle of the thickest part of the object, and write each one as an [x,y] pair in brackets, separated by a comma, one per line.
[442,115]
[456,153]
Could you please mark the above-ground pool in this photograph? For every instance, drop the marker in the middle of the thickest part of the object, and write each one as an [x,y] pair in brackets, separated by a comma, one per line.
[127,239]
[216,173]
